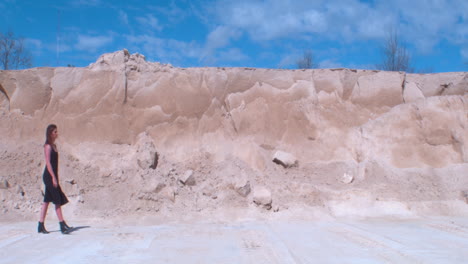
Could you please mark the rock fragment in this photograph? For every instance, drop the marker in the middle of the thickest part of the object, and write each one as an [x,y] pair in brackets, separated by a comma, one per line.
[276,208]
[153,187]
[20,190]
[168,193]
[242,187]
[159,187]
[262,197]
[464,196]
[347,178]
[285,159]
[4,184]
[188,178]
[72,182]
[146,155]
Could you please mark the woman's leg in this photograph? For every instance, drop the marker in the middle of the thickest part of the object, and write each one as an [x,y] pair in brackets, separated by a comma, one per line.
[44,208]
[63,226]
[58,211]
[40,226]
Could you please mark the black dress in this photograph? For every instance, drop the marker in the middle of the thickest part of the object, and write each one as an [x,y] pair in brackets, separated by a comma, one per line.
[52,194]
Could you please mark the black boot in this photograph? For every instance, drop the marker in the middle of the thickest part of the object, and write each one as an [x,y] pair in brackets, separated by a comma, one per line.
[66,226]
[63,228]
[41,228]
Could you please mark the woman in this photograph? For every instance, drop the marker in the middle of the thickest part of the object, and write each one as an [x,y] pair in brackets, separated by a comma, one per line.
[53,193]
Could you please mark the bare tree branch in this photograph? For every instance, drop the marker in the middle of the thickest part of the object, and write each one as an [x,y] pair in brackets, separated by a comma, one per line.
[13,54]
[307,61]
[395,56]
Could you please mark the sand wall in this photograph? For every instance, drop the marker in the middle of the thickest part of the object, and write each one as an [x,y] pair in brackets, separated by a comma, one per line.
[366,142]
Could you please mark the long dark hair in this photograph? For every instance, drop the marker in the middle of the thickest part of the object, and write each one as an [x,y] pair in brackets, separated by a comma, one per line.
[49,130]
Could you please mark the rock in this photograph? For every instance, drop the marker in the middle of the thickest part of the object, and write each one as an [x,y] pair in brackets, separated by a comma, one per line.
[464,196]
[187,178]
[168,193]
[20,190]
[155,161]
[412,93]
[4,184]
[153,187]
[207,193]
[262,197]
[285,159]
[242,187]
[72,182]
[347,178]
[276,208]
[159,187]
[146,154]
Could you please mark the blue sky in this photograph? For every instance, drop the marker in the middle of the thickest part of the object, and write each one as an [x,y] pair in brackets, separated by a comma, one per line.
[238,33]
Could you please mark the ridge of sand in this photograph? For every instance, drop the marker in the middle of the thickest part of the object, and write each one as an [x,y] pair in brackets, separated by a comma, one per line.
[367,143]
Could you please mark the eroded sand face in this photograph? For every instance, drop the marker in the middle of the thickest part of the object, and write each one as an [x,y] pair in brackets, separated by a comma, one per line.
[367,143]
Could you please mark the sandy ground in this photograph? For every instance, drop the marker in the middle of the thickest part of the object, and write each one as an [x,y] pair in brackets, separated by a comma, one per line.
[431,240]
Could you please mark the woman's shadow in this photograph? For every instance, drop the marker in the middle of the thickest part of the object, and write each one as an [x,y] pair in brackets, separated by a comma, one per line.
[73,229]
[76,228]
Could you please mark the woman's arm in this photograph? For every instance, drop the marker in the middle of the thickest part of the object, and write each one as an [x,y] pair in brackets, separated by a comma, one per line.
[47,149]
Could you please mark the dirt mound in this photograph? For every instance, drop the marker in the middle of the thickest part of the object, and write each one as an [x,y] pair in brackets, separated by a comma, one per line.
[140,137]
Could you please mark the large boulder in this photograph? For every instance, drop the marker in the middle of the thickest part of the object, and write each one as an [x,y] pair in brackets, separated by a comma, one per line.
[146,155]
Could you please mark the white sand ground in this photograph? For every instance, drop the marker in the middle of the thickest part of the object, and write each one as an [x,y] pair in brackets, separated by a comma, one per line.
[431,240]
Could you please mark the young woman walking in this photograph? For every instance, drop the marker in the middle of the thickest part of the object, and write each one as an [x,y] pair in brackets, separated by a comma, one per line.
[53,193]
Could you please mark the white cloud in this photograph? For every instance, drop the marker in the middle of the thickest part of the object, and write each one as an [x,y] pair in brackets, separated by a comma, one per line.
[329,64]
[424,23]
[233,54]
[464,53]
[92,43]
[272,19]
[221,36]
[86,2]
[151,21]
[123,17]
[64,48]
[172,12]
[218,38]
[288,60]
[38,47]
[315,20]
[164,50]
[33,43]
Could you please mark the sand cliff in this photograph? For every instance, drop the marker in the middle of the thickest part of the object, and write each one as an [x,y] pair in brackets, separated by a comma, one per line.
[364,142]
